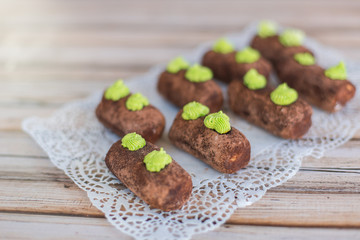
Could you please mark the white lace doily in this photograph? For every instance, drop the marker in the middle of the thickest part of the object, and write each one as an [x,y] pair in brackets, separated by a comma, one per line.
[77,143]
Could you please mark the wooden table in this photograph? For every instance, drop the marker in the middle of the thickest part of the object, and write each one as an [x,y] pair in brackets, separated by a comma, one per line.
[53,52]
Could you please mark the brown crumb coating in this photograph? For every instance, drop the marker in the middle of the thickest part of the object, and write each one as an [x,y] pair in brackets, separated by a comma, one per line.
[312,84]
[167,190]
[226,153]
[148,122]
[225,67]
[289,122]
[178,90]
[220,64]
[238,70]
[271,48]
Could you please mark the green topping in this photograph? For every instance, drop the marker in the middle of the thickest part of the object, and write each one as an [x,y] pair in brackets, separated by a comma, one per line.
[337,72]
[253,80]
[267,29]
[133,141]
[284,95]
[218,121]
[223,46]
[305,59]
[136,102]
[292,38]
[157,160]
[177,64]
[194,110]
[247,55]
[116,91]
[197,73]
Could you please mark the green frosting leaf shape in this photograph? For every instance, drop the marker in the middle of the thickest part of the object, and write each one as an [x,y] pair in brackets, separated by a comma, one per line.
[117,91]
[177,64]
[292,38]
[218,121]
[267,29]
[198,73]
[283,95]
[157,160]
[223,46]
[133,141]
[305,59]
[337,72]
[194,110]
[247,55]
[136,102]
[253,80]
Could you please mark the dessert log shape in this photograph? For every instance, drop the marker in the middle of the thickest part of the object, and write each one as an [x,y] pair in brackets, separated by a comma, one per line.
[295,65]
[131,113]
[287,121]
[227,64]
[314,86]
[169,189]
[226,153]
[185,86]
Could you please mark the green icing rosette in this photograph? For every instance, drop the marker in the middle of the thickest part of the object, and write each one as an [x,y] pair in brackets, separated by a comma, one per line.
[306,59]
[292,38]
[337,72]
[247,55]
[155,161]
[198,73]
[117,91]
[177,64]
[253,80]
[267,29]
[223,46]
[219,121]
[194,110]
[133,141]
[283,95]
[136,102]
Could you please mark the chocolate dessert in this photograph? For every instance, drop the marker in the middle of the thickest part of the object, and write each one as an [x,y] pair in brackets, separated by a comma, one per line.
[129,113]
[274,51]
[219,59]
[295,65]
[163,185]
[227,64]
[314,86]
[289,117]
[226,149]
[193,84]
[276,47]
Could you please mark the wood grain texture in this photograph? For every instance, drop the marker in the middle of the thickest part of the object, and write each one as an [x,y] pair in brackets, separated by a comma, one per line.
[53,52]
[64,227]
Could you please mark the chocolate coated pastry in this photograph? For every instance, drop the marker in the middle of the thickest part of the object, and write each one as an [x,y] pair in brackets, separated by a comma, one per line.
[316,88]
[180,91]
[289,122]
[114,114]
[227,152]
[169,189]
